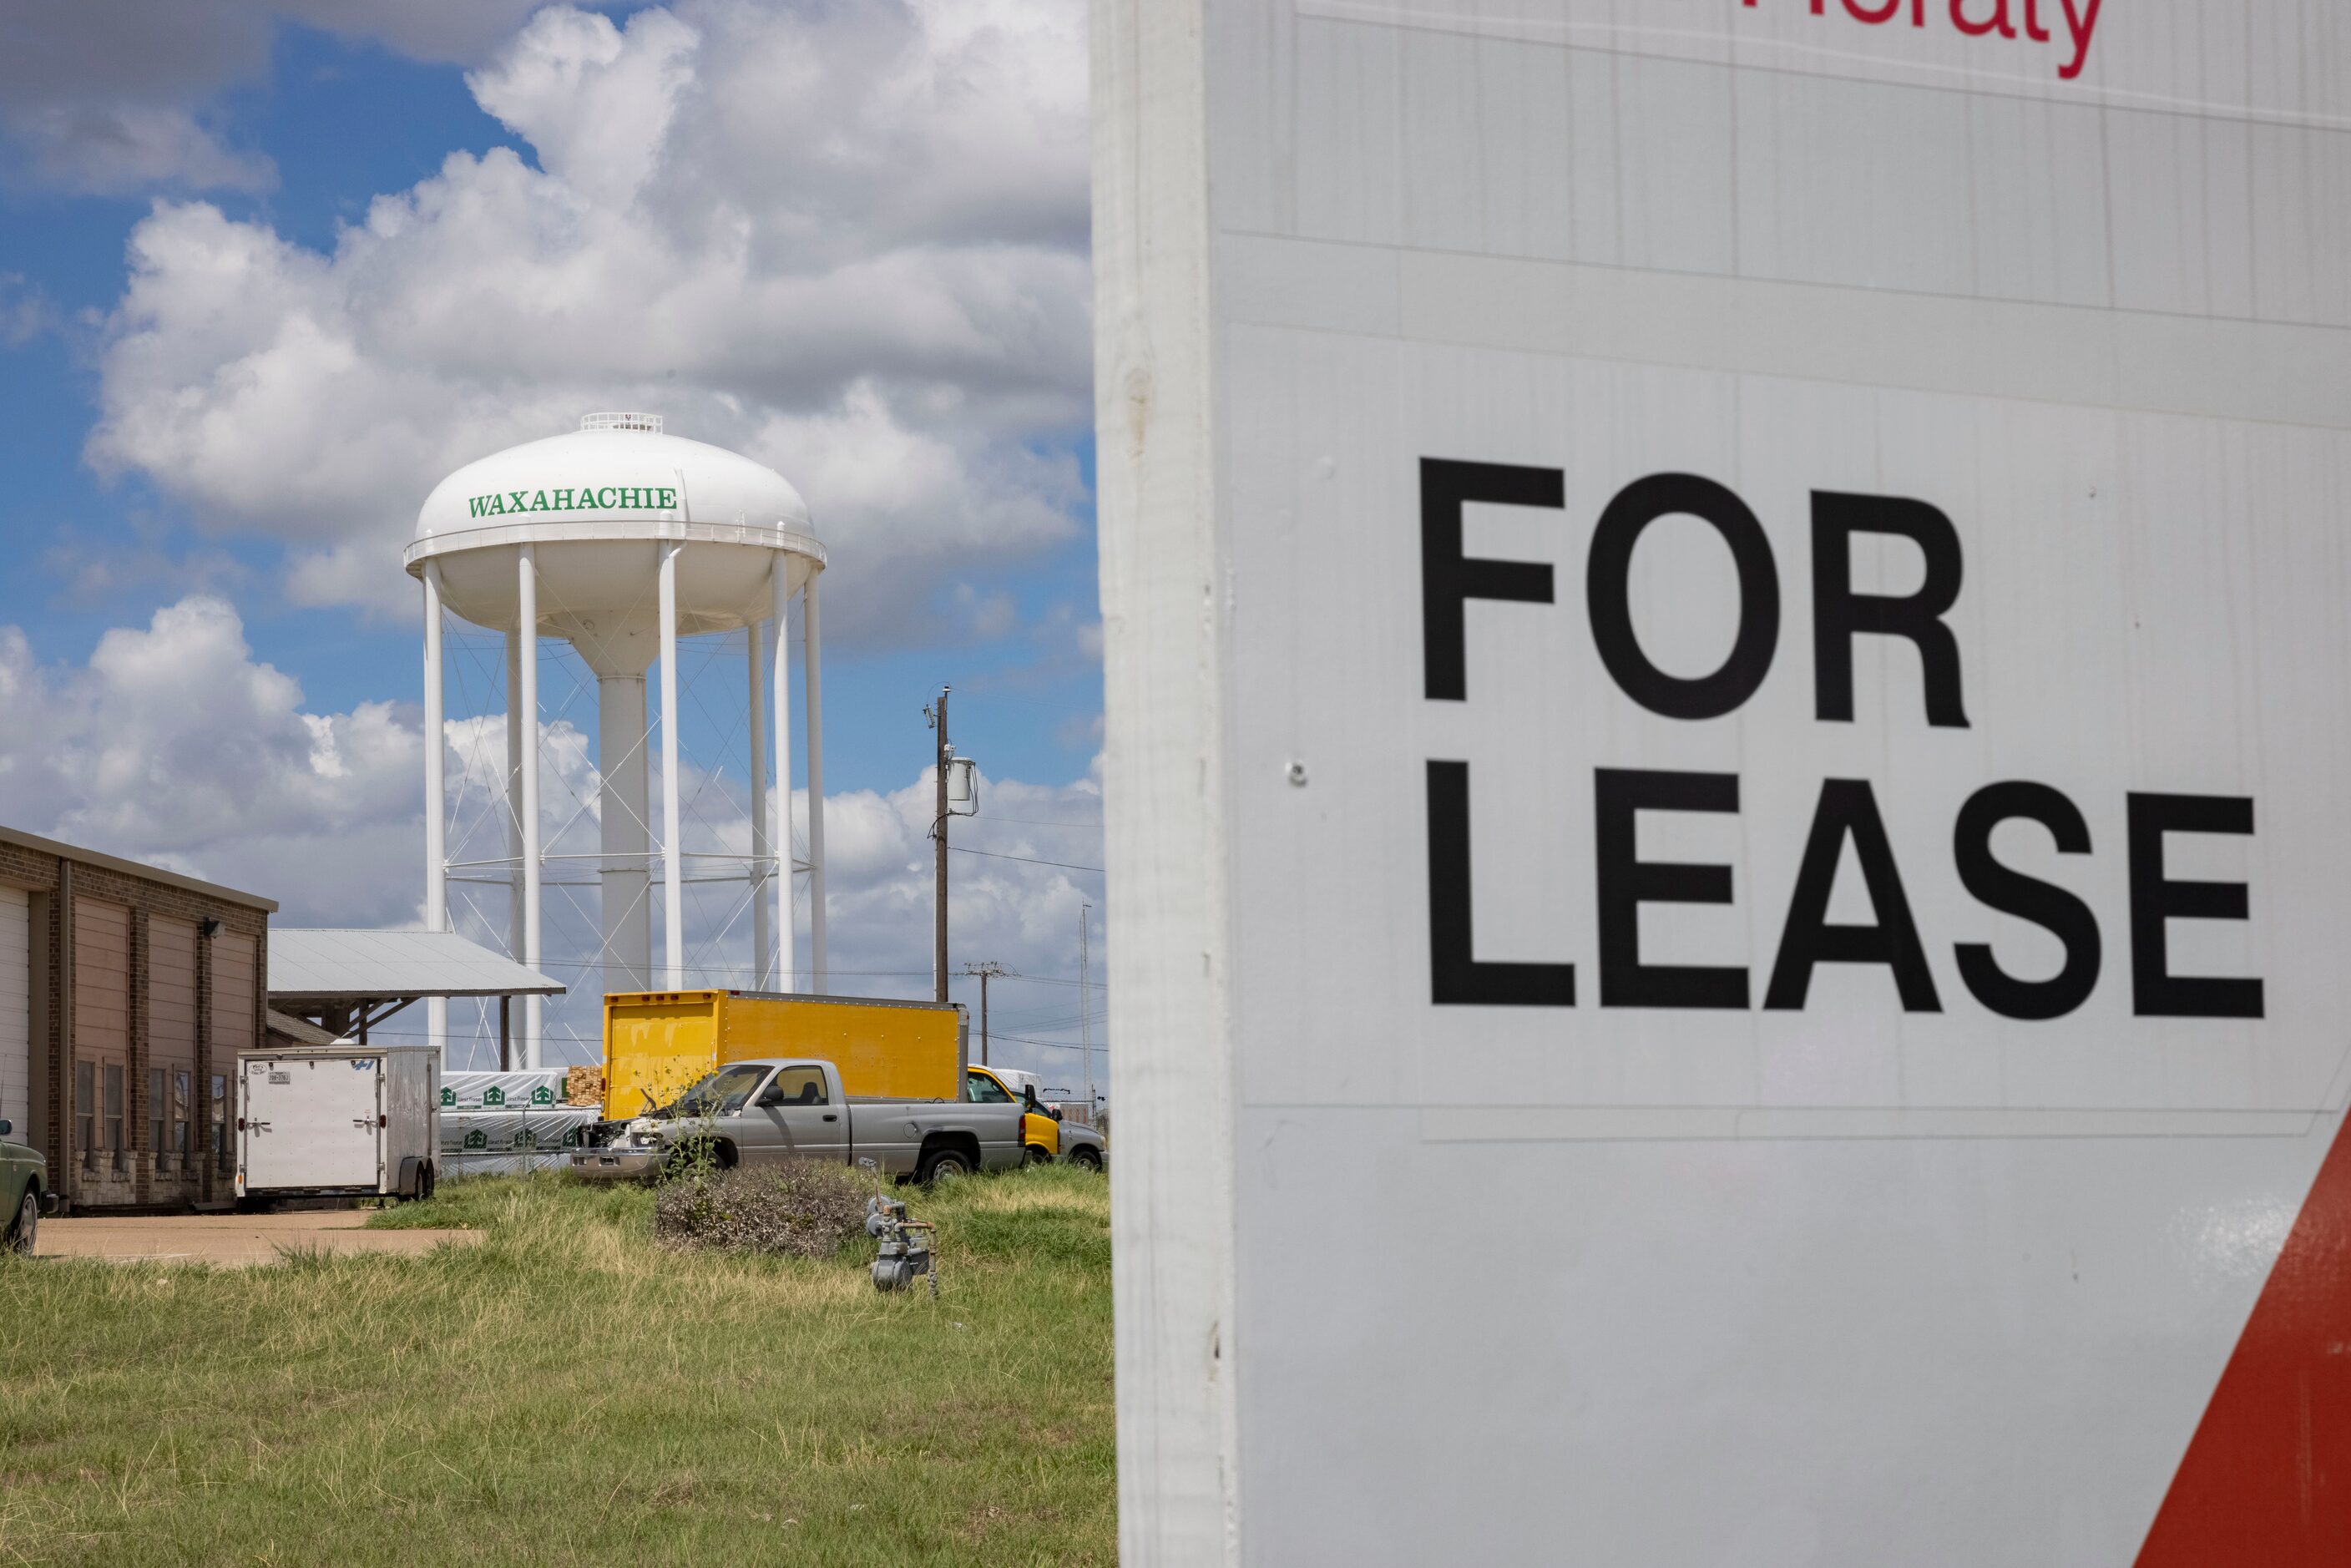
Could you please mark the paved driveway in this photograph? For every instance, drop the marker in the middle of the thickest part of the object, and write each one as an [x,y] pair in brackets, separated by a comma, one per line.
[236,1239]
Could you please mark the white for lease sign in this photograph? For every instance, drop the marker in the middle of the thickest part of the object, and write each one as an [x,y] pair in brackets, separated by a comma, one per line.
[1729,648]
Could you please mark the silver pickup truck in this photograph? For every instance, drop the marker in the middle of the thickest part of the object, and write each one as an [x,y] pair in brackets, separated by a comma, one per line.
[783,1108]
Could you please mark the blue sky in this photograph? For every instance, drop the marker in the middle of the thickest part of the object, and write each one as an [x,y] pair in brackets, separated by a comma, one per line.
[343,122]
[261,286]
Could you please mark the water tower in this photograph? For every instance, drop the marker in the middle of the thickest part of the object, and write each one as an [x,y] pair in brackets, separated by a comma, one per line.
[621,539]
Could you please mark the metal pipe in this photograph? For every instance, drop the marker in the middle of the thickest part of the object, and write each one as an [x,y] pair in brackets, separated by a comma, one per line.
[533,1007]
[812,656]
[436,849]
[673,895]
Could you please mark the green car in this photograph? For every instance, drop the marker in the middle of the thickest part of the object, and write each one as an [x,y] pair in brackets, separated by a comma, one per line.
[24,1190]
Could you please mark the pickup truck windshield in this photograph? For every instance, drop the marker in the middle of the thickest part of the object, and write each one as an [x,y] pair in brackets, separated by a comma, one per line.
[720,1094]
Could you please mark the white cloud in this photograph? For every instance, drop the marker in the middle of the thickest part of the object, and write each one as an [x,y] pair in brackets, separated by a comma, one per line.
[113,148]
[850,241]
[118,94]
[173,746]
[26,312]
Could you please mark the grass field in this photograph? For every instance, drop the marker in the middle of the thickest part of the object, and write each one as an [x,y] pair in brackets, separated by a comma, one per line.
[570,1391]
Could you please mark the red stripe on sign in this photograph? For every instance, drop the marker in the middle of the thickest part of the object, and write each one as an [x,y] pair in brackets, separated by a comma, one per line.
[2267,1480]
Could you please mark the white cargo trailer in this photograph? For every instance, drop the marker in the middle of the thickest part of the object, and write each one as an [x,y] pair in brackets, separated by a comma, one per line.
[348,1120]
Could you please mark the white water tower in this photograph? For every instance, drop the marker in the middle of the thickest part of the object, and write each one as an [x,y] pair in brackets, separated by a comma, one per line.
[621,539]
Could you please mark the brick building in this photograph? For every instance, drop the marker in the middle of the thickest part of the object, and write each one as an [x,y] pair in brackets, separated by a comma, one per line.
[125,994]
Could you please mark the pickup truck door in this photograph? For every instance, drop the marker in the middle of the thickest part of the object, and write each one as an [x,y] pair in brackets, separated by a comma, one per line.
[996,1119]
[797,1115]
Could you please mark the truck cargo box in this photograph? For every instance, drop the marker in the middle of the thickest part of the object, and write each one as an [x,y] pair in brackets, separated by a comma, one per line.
[656,1043]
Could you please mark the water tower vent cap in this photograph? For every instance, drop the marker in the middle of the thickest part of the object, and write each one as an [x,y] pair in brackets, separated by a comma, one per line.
[646,421]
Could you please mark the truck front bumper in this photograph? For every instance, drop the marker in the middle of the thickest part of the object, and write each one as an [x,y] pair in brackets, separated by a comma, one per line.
[617,1164]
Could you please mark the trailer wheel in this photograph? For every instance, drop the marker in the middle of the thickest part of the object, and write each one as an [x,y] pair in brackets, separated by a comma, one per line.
[425,1181]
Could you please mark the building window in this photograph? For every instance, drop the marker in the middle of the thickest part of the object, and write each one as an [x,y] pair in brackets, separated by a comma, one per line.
[181,1110]
[220,1124]
[158,1107]
[114,1115]
[86,1114]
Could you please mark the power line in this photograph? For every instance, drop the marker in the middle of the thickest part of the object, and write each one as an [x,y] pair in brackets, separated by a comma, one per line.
[1056,1044]
[1025,860]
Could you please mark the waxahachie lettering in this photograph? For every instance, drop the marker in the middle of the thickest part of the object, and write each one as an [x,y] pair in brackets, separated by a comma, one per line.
[1846,816]
[586,499]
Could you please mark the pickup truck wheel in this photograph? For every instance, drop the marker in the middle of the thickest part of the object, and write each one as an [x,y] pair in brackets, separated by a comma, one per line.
[29,1221]
[941,1163]
[1086,1157]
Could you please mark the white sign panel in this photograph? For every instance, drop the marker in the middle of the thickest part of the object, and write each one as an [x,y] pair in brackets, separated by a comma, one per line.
[1728,629]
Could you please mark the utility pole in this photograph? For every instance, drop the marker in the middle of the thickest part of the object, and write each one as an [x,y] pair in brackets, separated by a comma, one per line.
[991,970]
[939,717]
[1085,1004]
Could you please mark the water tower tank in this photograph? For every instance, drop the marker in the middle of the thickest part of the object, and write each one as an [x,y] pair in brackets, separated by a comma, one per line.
[619,540]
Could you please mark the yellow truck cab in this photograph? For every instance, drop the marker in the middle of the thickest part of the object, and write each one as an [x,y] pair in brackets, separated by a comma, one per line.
[1040,1133]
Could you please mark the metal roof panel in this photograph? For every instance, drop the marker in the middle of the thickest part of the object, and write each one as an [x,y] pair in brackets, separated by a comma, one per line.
[353,966]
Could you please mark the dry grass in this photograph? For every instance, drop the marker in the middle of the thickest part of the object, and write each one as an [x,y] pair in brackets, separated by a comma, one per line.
[570,1390]
[809,1208]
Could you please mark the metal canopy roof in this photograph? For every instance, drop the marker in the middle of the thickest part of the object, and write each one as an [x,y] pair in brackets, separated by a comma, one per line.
[379,965]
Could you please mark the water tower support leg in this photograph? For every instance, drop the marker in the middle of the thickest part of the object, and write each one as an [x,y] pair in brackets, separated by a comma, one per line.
[785,979]
[755,879]
[534,1006]
[436,852]
[672,891]
[810,655]
[514,794]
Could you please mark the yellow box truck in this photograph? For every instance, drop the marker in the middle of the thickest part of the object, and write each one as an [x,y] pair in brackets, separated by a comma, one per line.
[658,1043]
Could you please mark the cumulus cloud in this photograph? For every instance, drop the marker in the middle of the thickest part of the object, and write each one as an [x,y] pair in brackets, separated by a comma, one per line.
[849,240]
[172,745]
[111,95]
[111,148]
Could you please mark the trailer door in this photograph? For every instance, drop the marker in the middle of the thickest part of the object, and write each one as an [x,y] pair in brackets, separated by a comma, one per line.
[310,1122]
